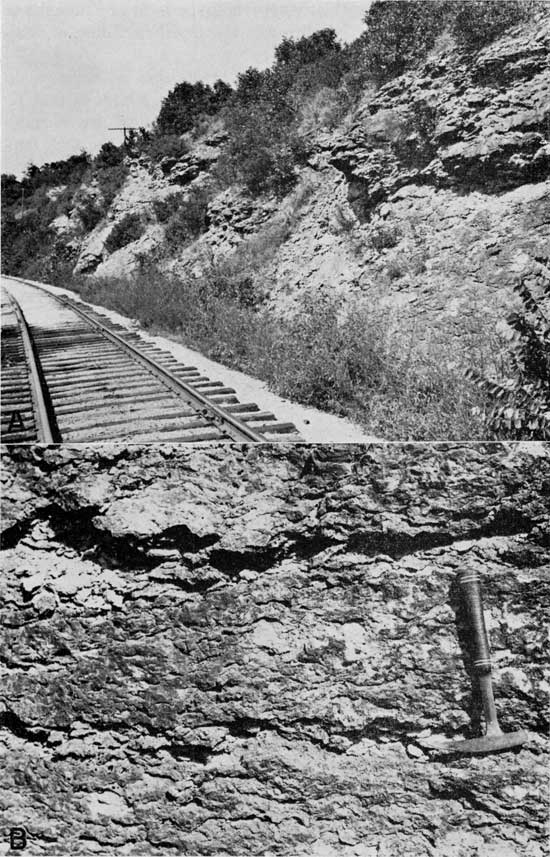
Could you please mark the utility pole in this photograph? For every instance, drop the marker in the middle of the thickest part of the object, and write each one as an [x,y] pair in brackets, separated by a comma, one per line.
[128,134]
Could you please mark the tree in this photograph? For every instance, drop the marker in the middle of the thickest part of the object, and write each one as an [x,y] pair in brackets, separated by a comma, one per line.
[476,24]
[401,32]
[308,49]
[187,101]
[249,85]
[109,156]
[222,92]
[11,190]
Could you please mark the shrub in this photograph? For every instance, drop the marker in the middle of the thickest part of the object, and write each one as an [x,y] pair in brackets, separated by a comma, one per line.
[395,268]
[357,78]
[166,146]
[186,102]
[109,156]
[322,110]
[269,118]
[68,171]
[90,212]
[129,229]
[400,33]
[110,180]
[262,152]
[56,268]
[11,190]
[325,73]
[521,403]
[475,24]
[233,285]
[23,239]
[383,236]
[343,223]
[308,49]
[189,219]
[165,208]
[414,142]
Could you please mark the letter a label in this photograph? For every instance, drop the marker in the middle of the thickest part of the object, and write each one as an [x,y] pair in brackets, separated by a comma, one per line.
[16,422]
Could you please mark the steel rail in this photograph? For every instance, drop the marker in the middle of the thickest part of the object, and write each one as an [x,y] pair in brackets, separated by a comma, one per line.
[44,428]
[230,426]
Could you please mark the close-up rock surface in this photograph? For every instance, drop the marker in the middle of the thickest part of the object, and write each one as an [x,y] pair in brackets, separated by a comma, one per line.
[255,650]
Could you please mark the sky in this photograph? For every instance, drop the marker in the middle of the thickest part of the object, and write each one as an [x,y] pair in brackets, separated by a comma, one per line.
[72,68]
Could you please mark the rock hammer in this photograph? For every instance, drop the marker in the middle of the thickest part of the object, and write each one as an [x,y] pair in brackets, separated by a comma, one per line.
[494,739]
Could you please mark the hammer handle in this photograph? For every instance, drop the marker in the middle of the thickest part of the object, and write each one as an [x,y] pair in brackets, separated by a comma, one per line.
[471,596]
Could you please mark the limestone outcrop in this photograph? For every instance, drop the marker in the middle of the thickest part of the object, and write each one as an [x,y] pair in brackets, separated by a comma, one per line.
[251,650]
[481,125]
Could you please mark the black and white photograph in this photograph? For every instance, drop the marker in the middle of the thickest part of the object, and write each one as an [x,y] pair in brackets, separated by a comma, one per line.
[328,218]
[275,427]
[276,649]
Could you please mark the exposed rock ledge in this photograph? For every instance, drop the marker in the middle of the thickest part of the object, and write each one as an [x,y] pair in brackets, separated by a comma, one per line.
[245,650]
[491,119]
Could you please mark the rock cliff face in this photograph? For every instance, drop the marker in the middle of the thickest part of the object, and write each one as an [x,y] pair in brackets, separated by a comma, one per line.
[443,194]
[430,200]
[478,126]
[250,650]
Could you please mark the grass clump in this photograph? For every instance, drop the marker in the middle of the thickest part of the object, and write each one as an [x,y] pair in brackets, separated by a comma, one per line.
[384,235]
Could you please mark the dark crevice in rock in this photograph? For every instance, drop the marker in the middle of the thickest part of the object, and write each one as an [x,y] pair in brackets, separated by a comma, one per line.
[182,538]
[40,457]
[393,728]
[457,792]
[198,587]
[11,536]
[76,529]
[79,532]
[193,752]
[380,728]
[233,562]
[307,548]
[398,545]
[9,720]
[244,727]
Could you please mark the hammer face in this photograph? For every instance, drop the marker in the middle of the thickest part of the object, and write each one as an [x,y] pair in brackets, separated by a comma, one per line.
[493,744]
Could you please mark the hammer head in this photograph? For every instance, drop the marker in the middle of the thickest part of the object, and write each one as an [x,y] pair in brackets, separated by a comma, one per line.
[488,743]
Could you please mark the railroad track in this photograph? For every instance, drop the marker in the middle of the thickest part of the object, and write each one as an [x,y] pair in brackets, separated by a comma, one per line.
[71,375]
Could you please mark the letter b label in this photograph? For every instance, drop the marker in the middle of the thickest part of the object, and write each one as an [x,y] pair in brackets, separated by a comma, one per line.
[18,838]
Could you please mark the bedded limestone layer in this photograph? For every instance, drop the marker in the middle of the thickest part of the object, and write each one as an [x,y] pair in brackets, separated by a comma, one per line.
[251,650]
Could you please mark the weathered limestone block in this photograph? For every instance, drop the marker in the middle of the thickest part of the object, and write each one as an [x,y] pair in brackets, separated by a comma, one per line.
[251,649]
[183,170]
[489,117]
